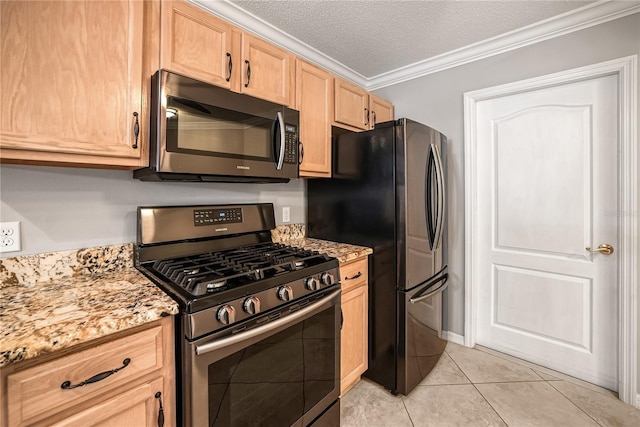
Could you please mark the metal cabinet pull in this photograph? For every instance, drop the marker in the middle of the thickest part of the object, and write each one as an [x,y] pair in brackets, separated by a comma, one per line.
[246,61]
[354,277]
[605,249]
[136,129]
[161,410]
[373,115]
[98,377]
[366,116]
[230,66]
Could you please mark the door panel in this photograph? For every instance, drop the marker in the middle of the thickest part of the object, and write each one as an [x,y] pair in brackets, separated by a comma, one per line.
[563,145]
[546,182]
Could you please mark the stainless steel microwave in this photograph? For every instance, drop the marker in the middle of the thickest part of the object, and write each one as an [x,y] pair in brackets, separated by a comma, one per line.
[201,132]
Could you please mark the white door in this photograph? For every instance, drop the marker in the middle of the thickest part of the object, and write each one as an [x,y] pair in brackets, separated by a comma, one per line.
[547,190]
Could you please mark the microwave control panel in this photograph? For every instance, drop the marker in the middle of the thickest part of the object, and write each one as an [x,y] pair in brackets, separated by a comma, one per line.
[216,216]
[290,144]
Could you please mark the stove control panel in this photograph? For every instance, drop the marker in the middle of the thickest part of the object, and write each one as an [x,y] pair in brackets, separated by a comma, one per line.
[238,310]
[216,216]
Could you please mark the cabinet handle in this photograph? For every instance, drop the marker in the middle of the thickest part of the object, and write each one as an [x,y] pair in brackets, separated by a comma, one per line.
[246,61]
[230,66]
[301,152]
[94,379]
[161,410]
[354,277]
[136,129]
[366,117]
[373,115]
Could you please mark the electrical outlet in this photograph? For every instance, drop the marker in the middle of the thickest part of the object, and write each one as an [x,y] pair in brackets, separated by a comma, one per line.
[10,236]
[286,214]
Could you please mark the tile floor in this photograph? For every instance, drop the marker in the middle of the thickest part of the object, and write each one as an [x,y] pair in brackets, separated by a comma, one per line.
[481,387]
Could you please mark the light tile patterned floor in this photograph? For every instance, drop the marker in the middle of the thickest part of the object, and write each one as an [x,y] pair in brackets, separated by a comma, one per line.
[481,387]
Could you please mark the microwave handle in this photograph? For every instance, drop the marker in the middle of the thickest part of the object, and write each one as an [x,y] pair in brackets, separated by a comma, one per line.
[280,158]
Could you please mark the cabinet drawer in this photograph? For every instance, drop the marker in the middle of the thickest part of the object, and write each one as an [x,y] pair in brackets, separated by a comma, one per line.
[37,392]
[354,274]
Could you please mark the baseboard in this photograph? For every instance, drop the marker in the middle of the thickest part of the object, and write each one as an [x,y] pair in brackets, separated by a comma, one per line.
[453,337]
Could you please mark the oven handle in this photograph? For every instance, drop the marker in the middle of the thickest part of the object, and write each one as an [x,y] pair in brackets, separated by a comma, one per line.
[292,318]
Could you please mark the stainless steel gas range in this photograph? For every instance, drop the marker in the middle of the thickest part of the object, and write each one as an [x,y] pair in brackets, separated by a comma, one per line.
[258,334]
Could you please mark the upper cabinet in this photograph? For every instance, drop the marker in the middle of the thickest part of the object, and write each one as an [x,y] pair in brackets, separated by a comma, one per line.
[351,105]
[197,44]
[381,110]
[314,99]
[268,72]
[72,83]
[358,109]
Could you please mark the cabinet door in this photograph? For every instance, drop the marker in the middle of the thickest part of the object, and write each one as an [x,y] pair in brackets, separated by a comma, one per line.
[136,407]
[197,44]
[71,82]
[267,71]
[314,98]
[351,105]
[354,344]
[381,110]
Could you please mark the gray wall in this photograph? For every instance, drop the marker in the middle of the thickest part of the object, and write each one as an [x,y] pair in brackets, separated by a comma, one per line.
[436,100]
[69,208]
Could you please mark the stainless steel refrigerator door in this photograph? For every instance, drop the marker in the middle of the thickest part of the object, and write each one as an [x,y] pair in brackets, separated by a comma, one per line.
[420,343]
[421,215]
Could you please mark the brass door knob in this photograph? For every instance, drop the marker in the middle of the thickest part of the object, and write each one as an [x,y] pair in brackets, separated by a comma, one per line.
[604,249]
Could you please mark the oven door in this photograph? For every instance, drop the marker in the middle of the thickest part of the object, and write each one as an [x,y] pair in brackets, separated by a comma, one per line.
[280,371]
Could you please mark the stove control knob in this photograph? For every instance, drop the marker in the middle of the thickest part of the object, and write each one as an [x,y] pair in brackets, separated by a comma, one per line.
[312,284]
[226,314]
[285,293]
[326,279]
[251,305]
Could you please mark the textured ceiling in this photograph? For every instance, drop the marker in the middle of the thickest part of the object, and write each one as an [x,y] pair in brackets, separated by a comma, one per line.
[372,37]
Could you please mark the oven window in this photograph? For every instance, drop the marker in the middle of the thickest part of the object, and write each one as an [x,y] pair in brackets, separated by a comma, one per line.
[203,129]
[275,381]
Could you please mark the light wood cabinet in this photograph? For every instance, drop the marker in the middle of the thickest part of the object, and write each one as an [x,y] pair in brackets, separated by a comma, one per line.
[381,110]
[314,100]
[351,105]
[137,407]
[354,334]
[197,44]
[125,380]
[72,83]
[268,72]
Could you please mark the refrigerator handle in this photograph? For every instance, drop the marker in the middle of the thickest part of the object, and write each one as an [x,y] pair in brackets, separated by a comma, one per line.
[441,199]
[431,289]
[428,201]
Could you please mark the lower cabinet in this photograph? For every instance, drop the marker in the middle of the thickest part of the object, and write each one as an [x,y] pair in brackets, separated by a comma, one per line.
[354,342]
[124,381]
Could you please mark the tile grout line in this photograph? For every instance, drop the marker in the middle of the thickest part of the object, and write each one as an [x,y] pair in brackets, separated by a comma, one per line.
[573,403]
[479,392]
[408,414]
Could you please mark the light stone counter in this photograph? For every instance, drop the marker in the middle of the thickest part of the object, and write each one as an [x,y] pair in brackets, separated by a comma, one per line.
[50,302]
[294,235]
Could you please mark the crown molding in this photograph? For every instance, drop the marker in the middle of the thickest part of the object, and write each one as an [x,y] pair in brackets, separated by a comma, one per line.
[251,23]
[575,20]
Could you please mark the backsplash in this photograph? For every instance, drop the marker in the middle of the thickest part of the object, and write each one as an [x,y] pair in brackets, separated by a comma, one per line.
[31,270]
[283,233]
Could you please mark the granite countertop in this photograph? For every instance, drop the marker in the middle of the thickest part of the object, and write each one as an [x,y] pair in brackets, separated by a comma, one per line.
[294,235]
[53,301]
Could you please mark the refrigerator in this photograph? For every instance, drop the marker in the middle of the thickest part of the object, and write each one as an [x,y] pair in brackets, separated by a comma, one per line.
[388,192]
